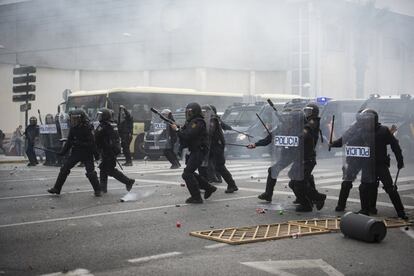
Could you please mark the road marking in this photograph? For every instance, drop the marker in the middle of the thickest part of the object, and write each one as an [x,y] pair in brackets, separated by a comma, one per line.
[218,245]
[154,257]
[409,196]
[409,232]
[112,213]
[379,203]
[279,267]
[71,192]
[76,272]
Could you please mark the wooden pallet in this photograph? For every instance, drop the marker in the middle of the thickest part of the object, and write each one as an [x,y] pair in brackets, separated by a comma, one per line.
[333,224]
[290,229]
[258,233]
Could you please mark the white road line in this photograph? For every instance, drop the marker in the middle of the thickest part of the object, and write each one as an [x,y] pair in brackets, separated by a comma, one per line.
[76,272]
[216,245]
[155,257]
[280,267]
[112,213]
[71,192]
[409,232]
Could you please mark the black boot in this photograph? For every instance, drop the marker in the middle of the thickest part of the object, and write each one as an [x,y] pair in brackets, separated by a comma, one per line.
[59,183]
[123,179]
[270,185]
[346,187]
[231,189]
[209,191]
[93,179]
[364,198]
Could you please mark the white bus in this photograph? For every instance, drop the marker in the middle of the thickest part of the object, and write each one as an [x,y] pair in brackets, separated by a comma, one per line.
[139,100]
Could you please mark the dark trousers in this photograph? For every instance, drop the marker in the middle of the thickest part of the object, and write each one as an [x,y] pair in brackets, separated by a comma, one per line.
[369,191]
[125,142]
[350,172]
[220,167]
[71,161]
[31,153]
[194,181]
[300,175]
[107,168]
[273,173]
[171,156]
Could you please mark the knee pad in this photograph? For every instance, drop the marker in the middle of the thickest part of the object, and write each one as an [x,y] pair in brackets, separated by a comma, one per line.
[346,185]
[186,175]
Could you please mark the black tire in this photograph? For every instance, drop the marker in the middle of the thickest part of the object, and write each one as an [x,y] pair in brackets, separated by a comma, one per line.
[139,152]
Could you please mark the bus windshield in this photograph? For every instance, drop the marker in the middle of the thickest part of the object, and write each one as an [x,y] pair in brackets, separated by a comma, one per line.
[90,104]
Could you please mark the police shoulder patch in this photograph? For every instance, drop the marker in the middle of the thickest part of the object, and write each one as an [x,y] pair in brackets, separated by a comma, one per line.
[193,125]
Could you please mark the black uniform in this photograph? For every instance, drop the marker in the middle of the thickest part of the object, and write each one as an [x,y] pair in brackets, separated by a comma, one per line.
[31,133]
[125,129]
[194,136]
[169,149]
[368,191]
[312,128]
[108,144]
[81,142]
[353,165]
[217,153]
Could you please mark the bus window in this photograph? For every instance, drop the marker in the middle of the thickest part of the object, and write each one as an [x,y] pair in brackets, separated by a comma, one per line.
[90,104]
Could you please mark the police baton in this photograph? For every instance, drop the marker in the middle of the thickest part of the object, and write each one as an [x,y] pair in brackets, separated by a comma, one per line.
[171,122]
[268,131]
[238,145]
[46,150]
[331,134]
[396,178]
[119,164]
[269,101]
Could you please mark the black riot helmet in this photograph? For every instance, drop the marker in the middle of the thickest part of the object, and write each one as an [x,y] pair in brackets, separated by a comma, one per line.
[33,121]
[77,117]
[105,115]
[368,114]
[192,110]
[311,110]
[206,109]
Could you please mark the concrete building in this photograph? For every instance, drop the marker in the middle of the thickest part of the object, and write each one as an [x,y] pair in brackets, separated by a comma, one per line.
[340,49]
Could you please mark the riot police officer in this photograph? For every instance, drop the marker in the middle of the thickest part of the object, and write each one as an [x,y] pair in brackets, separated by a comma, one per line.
[194,136]
[50,140]
[312,125]
[126,127]
[352,166]
[171,140]
[369,191]
[108,144]
[291,125]
[31,133]
[83,149]
[217,144]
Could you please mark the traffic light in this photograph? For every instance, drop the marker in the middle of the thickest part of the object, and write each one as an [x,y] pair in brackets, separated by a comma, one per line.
[22,76]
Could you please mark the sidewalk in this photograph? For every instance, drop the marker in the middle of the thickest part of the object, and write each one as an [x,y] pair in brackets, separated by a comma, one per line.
[12,159]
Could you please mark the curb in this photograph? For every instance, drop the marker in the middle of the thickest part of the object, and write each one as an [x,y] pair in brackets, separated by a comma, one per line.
[12,161]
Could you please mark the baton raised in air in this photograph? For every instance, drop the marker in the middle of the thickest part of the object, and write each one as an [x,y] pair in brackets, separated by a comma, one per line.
[268,131]
[269,101]
[171,122]
[331,134]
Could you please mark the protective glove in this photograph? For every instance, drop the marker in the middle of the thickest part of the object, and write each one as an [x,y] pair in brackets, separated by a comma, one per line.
[400,164]
[97,157]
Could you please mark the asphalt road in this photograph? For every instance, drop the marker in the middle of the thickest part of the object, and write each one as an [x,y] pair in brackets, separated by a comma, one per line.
[84,235]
